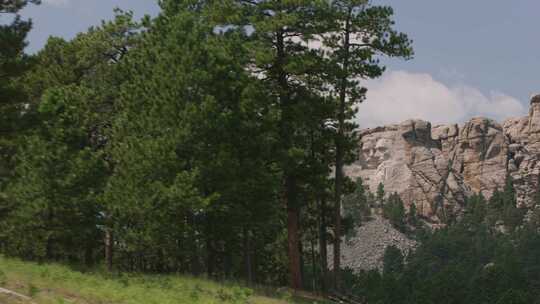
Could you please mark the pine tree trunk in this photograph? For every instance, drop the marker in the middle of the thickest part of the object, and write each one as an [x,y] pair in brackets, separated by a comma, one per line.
[211,258]
[302,262]
[89,256]
[109,244]
[295,275]
[323,246]
[247,257]
[290,195]
[49,251]
[340,154]
[337,222]
[313,266]
[228,261]
[49,254]
[293,216]
[337,206]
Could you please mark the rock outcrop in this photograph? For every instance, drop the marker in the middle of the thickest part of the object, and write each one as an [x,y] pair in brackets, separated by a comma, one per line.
[437,167]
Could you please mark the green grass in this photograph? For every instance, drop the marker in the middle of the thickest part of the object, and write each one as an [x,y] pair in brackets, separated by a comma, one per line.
[57,284]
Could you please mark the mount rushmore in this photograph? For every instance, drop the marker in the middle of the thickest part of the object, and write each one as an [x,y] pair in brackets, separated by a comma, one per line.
[437,167]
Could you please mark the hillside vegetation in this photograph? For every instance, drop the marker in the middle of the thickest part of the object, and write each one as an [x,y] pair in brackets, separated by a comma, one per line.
[55,284]
[209,139]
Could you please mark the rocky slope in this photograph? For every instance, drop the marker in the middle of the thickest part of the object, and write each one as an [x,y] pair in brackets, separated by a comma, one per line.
[436,167]
[365,250]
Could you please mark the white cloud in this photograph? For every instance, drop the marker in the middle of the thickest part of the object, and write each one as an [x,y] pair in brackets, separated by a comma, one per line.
[400,95]
[56,2]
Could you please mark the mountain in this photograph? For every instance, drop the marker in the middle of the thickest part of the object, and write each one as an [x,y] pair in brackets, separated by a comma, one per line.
[437,167]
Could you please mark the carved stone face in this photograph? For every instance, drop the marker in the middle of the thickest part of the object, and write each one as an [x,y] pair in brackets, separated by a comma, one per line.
[374,152]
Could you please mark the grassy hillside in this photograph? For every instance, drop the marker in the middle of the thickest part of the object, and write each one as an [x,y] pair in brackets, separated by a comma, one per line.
[55,284]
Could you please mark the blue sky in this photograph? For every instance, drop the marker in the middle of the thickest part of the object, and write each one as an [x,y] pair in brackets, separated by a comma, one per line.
[472,58]
[488,44]
[66,18]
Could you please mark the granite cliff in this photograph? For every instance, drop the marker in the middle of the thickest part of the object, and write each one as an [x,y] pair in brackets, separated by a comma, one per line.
[437,167]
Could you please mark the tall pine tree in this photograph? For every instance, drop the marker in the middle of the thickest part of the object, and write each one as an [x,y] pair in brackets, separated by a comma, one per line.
[280,56]
[13,62]
[61,166]
[359,34]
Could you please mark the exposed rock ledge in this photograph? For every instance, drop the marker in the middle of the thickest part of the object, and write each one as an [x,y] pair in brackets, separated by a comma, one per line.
[438,166]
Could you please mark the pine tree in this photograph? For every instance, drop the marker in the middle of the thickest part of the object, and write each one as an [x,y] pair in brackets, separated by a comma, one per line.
[71,89]
[475,210]
[13,63]
[192,151]
[534,220]
[512,214]
[503,207]
[412,216]
[380,195]
[291,71]
[358,35]
[394,211]
[356,206]
[154,138]
[392,261]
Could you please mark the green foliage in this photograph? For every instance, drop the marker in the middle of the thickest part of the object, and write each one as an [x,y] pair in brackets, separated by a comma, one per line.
[412,216]
[500,211]
[502,208]
[356,207]
[476,209]
[357,34]
[201,140]
[458,265]
[534,216]
[15,119]
[534,220]
[64,285]
[394,211]
[3,278]
[236,295]
[470,261]
[189,150]
[61,165]
[380,195]
[32,290]
[392,261]
[465,262]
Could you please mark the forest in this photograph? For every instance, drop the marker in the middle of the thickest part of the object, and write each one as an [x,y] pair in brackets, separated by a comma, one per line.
[211,140]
